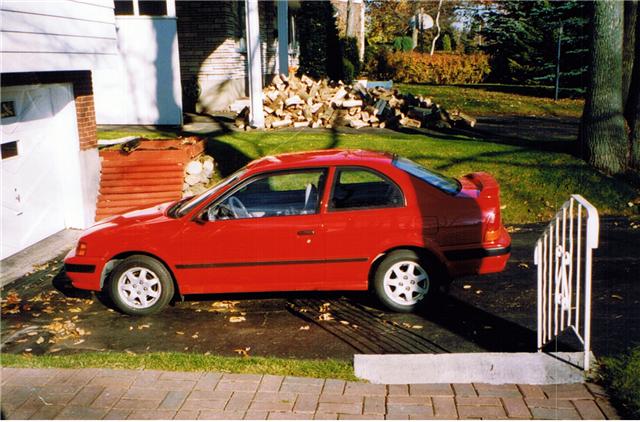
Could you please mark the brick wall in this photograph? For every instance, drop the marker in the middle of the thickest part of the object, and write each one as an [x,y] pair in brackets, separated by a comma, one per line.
[82,92]
[209,34]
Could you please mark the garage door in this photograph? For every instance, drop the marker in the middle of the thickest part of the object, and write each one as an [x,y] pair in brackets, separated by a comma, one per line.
[38,123]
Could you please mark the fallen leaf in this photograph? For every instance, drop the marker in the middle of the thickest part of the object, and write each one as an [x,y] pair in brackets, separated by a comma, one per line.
[180,333]
[131,328]
[32,333]
[304,328]
[417,327]
[478,292]
[344,322]
[12,298]
[207,353]
[523,265]
[194,336]
[79,342]
[243,352]
[325,317]
[75,310]
[28,350]
[237,319]
[140,327]
[466,286]
[40,340]
[614,296]
[324,307]
[55,350]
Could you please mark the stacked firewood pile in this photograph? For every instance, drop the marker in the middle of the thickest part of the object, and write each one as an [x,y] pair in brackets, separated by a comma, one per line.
[302,102]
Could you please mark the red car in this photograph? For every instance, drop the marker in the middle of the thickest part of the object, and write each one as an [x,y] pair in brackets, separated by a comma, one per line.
[323,220]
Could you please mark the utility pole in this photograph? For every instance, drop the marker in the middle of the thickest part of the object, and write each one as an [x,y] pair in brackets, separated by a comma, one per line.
[557,93]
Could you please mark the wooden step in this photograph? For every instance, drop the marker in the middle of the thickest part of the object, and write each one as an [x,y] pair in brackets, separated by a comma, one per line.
[116,175]
[141,189]
[141,163]
[140,203]
[126,182]
[159,196]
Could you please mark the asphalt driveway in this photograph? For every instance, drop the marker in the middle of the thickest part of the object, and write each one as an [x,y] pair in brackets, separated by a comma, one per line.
[42,313]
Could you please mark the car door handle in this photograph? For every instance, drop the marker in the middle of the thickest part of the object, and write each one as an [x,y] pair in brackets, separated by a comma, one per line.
[306,232]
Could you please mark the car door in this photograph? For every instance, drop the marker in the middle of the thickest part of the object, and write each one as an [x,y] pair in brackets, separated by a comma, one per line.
[364,210]
[264,235]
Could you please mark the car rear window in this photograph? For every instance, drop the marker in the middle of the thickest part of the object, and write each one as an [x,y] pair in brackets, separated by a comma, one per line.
[446,184]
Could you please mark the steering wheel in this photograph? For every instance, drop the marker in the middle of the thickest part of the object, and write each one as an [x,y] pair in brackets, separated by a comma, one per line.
[238,209]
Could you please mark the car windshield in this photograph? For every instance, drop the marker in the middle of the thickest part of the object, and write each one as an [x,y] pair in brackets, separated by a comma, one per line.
[198,199]
[444,183]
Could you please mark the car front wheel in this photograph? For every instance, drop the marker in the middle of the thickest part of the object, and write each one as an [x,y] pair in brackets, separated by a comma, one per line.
[140,285]
[401,282]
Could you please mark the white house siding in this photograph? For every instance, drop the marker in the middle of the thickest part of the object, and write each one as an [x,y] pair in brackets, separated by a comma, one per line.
[140,52]
[213,62]
[56,35]
[145,87]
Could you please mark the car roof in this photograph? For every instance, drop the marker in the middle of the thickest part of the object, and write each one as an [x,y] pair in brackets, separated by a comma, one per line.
[331,157]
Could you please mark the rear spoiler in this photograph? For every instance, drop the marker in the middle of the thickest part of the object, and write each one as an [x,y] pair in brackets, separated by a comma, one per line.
[486,184]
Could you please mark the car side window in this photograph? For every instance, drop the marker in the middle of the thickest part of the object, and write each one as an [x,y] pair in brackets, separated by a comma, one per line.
[294,193]
[357,188]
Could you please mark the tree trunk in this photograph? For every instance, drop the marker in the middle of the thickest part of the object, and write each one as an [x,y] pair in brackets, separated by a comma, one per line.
[632,105]
[603,138]
[628,46]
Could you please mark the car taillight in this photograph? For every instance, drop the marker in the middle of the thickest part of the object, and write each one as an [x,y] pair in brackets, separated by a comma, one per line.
[492,222]
[81,249]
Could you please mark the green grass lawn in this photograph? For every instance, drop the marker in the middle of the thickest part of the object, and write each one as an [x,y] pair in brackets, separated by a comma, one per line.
[327,368]
[534,183]
[621,377]
[483,100]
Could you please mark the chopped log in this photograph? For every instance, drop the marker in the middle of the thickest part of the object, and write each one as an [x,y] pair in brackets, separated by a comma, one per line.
[281,123]
[409,122]
[242,119]
[356,123]
[316,107]
[338,95]
[459,116]
[294,100]
[351,103]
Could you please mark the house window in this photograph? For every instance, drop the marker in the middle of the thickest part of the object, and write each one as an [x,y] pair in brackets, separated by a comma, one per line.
[10,149]
[144,7]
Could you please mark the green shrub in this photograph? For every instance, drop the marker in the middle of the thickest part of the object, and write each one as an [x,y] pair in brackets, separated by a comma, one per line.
[441,68]
[319,41]
[348,71]
[446,43]
[350,59]
[403,44]
[621,377]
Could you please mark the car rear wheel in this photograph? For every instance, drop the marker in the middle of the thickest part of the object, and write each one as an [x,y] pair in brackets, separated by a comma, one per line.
[401,281]
[140,285]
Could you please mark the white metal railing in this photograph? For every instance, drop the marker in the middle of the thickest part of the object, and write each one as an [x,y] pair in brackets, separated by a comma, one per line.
[563,256]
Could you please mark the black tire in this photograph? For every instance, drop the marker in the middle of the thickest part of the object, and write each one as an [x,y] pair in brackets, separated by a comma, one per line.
[158,281]
[413,299]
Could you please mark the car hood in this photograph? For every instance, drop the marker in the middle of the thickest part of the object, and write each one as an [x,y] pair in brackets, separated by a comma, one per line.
[157,212]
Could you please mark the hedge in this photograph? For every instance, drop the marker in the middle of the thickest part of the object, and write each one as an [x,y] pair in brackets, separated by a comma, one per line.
[441,68]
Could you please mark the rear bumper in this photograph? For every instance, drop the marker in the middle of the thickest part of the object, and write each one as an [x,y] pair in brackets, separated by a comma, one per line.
[84,273]
[480,260]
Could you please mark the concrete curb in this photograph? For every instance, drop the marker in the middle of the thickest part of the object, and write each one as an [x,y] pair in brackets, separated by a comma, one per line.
[24,261]
[488,368]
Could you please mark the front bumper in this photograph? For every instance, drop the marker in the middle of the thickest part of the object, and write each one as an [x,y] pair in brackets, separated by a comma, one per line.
[84,272]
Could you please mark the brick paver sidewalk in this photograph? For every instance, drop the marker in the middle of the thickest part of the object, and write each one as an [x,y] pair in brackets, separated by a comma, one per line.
[124,394]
